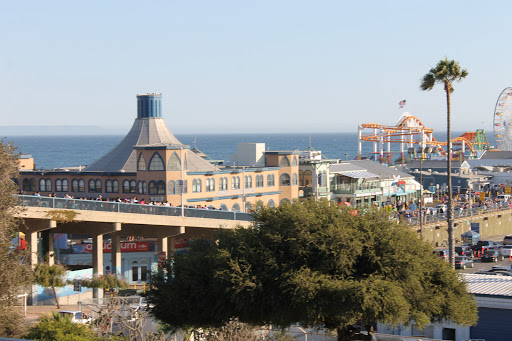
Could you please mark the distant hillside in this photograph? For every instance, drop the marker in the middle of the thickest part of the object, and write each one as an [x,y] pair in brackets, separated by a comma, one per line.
[60,130]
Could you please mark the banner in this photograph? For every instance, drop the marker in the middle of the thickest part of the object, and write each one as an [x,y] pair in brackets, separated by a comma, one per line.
[107,247]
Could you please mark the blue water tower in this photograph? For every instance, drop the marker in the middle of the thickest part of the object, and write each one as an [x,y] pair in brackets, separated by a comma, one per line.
[149,105]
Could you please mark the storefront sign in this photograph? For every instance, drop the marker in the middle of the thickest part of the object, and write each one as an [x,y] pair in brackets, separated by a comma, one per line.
[107,247]
[180,242]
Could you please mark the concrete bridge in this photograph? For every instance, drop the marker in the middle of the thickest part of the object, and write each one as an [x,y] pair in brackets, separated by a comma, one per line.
[97,218]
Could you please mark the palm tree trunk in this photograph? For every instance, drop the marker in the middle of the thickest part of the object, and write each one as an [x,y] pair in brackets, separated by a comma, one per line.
[451,238]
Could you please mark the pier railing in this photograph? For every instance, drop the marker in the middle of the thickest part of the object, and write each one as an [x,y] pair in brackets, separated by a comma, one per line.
[113,206]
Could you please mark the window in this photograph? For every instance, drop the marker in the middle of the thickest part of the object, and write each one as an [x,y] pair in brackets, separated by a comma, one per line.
[74,185]
[135,271]
[236,207]
[294,179]
[284,162]
[144,271]
[65,186]
[248,206]
[284,180]
[92,185]
[259,180]
[235,182]
[98,185]
[108,186]
[320,179]
[115,186]
[160,188]
[156,163]
[210,185]
[42,185]
[197,186]
[140,187]
[141,165]
[171,186]
[126,186]
[223,207]
[58,185]
[271,180]
[284,201]
[307,178]
[294,163]
[248,181]
[133,186]
[223,184]
[29,185]
[271,203]
[152,187]
[174,163]
[81,185]
[301,178]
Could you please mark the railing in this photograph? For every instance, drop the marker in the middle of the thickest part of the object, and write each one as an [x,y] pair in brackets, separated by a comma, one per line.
[120,207]
[431,219]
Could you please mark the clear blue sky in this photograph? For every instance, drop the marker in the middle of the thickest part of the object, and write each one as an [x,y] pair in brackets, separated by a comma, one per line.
[250,66]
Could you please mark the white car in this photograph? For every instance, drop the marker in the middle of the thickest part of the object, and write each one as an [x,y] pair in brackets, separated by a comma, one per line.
[506,250]
[77,316]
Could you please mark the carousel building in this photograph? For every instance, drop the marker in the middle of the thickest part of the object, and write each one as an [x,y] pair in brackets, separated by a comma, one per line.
[152,165]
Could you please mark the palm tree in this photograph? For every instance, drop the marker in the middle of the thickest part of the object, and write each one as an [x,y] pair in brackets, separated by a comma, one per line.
[446,72]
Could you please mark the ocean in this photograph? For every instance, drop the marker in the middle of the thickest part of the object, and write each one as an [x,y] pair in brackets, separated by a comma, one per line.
[71,151]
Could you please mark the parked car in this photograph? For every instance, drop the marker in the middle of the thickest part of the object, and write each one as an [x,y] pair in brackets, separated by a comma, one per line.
[491,256]
[462,262]
[507,240]
[483,245]
[442,253]
[77,316]
[464,250]
[506,250]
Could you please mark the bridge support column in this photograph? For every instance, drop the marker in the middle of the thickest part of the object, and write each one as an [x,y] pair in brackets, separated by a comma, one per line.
[166,241]
[116,254]
[97,261]
[51,249]
[32,243]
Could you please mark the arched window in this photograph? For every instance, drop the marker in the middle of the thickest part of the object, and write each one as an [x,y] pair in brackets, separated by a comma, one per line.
[197,186]
[171,187]
[74,185]
[26,184]
[42,185]
[48,185]
[259,180]
[259,204]
[65,186]
[248,181]
[294,163]
[223,207]
[92,185]
[235,182]
[271,203]
[126,186]
[284,201]
[174,163]
[301,178]
[284,180]
[284,162]
[235,207]
[32,183]
[271,180]
[152,187]
[98,185]
[156,163]
[58,185]
[140,187]
[133,186]
[307,178]
[177,188]
[294,179]
[108,186]
[248,207]
[210,185]
[223,184]
[160,188]
[115,186]
[141,165]
[81,185]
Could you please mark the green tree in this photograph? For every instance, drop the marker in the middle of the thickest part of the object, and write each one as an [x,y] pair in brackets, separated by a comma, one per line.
[446,72]
[107,281]
[14,264]
[50,276]
[311,263]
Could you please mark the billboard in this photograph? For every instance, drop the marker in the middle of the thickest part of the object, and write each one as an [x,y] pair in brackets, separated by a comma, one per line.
[107,247]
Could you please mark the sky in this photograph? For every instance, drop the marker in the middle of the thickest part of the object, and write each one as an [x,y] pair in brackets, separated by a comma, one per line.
[250,66]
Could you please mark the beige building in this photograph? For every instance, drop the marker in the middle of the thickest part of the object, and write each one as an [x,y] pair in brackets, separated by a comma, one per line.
[150,164]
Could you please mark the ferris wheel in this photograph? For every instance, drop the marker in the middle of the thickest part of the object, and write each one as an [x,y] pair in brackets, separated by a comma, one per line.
[503,120]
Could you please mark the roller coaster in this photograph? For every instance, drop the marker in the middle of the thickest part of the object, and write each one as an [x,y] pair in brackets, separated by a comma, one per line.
[410,132]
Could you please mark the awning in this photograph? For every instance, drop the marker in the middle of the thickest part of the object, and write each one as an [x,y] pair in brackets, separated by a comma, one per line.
[358,174]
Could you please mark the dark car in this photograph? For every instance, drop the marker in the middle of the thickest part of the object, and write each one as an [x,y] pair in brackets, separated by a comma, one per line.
[464,250]
[483,245]
[491,256]
[462,262]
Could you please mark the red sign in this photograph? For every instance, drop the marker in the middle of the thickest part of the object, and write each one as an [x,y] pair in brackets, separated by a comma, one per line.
[162,255]
[107,247]
[180,242]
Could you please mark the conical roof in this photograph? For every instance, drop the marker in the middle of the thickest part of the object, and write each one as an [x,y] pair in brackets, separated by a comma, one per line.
[149,129]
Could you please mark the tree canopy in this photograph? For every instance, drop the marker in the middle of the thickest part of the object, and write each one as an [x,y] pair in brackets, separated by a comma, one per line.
[311,263]
[14,266]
